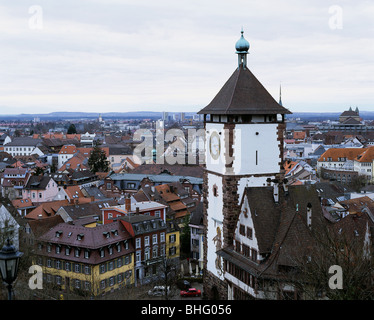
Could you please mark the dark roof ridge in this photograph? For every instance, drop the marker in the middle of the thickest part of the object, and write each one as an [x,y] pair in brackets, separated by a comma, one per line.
[237,71]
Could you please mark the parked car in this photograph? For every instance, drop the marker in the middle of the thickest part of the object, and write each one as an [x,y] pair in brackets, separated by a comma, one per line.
[183,284]
[158,291]
[191,292]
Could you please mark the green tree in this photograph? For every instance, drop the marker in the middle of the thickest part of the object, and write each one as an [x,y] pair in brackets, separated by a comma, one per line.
[72,129]
[39,171]
[98,161]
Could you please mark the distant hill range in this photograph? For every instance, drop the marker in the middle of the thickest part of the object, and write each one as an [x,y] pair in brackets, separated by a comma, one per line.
[86,115]
[306,116]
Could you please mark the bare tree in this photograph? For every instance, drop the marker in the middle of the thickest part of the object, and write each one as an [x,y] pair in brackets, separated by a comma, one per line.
[345,246]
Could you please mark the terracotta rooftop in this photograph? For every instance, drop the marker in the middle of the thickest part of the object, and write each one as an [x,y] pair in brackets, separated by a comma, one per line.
[22,203]
[46,209]
[336,153]
[356,205]
[76,162]
[366,156]
[68,149]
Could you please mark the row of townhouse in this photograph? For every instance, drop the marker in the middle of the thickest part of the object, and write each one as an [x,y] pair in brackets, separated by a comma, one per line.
[59,151]
[99,258]
[21,183]
[99,246]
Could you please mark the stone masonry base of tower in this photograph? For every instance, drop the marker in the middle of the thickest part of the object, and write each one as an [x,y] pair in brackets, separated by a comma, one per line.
[214,288]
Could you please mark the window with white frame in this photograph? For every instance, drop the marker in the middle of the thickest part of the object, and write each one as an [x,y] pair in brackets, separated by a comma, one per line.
[147,254]
[87,270]
[146,241]
[154,252]
[138,256]
[102,284]
[154,239]
[137,243]
[77,268]
[67,266]
[172,238]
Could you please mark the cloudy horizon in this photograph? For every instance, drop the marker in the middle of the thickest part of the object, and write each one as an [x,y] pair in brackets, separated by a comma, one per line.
[122,55]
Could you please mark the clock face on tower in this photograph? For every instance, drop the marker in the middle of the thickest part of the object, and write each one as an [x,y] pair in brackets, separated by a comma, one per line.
[214,145]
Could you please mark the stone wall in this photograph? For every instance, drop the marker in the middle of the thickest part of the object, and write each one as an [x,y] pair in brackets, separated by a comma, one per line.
[214,288]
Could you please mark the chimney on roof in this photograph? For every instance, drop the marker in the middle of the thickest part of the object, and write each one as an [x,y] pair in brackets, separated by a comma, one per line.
[137,210]
[285,187]
[268,181]
[276,191]
[128,203]
[309,215]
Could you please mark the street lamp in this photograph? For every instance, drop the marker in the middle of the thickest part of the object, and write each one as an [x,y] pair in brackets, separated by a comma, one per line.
[9,260]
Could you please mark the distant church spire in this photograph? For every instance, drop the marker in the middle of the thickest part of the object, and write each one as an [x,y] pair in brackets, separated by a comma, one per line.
[280,95]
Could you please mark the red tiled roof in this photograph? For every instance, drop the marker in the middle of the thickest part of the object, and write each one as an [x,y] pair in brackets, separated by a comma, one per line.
[356,205]
[74,162]
[288,165]
[366,156]
[299,135]
[22,203]
[68,149]
[336,153]
[74,191]
[46,209]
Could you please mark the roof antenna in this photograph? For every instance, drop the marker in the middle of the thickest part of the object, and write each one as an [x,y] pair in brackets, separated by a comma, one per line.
[280,94]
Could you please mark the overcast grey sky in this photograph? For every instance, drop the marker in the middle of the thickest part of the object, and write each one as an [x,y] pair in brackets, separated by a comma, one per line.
[170,55]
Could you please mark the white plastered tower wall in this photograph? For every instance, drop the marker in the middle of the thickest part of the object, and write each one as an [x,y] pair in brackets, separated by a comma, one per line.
[256,150]
[250,141]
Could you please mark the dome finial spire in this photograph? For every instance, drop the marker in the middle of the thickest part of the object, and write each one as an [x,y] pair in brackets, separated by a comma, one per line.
[242,47]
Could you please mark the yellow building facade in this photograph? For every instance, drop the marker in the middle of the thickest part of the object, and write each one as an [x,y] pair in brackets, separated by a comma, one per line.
[90,261]
[90,279]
